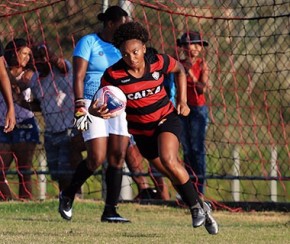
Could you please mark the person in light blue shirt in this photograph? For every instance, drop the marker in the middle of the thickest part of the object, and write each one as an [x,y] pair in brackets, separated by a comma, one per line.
[99,55]
[103,137]
[170,87]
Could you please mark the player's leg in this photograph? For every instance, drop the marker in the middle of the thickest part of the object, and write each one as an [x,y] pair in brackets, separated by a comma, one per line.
[24,152]
[96,138]
[160,184]
[65,169]
[6,158]
[77,147]
[168,145]
[117,147]
[96,151]
[168,151]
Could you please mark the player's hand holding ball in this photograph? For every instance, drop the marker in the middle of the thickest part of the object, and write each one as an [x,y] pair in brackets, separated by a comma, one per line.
[82,117]
[108,102]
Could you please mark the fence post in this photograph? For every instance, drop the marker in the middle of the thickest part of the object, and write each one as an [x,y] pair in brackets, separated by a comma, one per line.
[105,5]
[127,6]
[42,177]
[236,172]
[273,173]
[126,189]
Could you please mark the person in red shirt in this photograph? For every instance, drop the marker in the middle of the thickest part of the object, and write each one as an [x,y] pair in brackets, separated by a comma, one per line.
[195,125]
[152,118]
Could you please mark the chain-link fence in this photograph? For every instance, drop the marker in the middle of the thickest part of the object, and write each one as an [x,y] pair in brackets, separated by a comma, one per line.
[247,149]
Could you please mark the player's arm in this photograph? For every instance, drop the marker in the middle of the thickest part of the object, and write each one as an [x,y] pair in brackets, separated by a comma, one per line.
[10,120]
[80,66]
[181,84]
[82,117]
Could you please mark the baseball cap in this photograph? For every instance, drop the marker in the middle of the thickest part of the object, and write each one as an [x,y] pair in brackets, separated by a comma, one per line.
[191,38]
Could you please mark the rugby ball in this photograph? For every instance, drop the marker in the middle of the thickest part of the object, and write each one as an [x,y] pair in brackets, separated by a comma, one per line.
[114,98]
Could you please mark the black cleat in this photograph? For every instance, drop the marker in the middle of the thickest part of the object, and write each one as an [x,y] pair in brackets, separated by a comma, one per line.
[116,218]
[210,224]
[198,216]
[65,206]
[147,194]
[111,216]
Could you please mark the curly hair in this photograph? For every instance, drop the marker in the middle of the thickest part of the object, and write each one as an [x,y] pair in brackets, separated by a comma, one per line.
[129,31]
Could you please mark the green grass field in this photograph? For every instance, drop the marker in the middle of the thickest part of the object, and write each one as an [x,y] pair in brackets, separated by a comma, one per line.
[39,222]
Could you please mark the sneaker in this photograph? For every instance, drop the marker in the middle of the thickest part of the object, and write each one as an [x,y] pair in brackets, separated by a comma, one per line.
[65,206]
[178,197]
[210,224]
[198,217]
[112,216]
[147,194]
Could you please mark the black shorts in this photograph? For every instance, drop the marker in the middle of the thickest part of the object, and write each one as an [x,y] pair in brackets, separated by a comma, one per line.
[148,145]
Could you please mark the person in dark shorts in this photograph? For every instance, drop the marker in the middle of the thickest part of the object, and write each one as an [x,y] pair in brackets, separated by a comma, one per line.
[19,145]
[152,118]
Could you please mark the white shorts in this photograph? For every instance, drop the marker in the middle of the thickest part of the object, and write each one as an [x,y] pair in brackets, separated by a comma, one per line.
[103,127]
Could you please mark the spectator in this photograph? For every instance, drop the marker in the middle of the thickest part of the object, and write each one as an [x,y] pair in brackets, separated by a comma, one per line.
[152,119]
[19,145]
[52,87]
[195,124]
[5,86]
[92,55]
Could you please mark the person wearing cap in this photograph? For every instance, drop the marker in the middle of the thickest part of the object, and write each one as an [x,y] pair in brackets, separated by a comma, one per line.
[194,125]
[109,138]
[6,92]
[21,142]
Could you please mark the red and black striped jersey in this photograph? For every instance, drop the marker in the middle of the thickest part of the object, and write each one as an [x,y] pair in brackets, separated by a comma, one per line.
[147,100]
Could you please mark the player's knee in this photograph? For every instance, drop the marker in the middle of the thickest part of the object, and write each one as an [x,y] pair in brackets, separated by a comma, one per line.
[117,159]
[169,162]
[94,162]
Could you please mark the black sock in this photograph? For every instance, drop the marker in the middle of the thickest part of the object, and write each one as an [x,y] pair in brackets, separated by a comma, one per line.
[188,194]
[80,176]
[113,181]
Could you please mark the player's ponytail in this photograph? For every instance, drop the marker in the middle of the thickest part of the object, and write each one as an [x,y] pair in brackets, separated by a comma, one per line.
[113,13]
